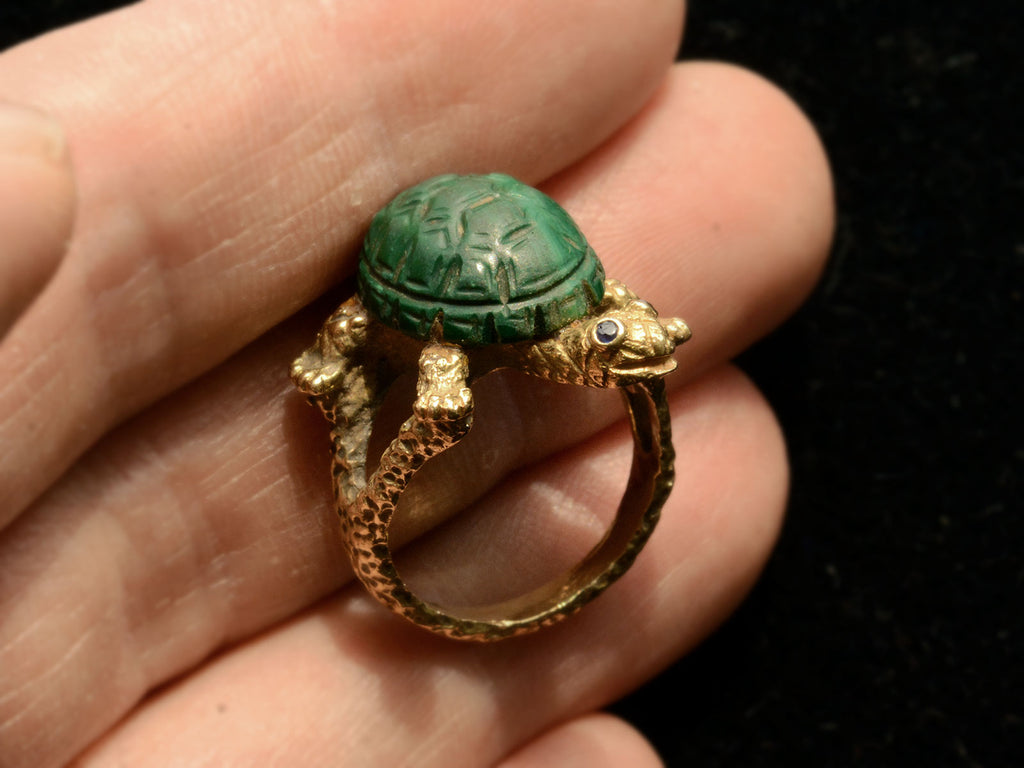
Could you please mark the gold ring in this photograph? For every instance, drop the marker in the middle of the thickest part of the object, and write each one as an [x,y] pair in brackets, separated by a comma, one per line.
[460,276]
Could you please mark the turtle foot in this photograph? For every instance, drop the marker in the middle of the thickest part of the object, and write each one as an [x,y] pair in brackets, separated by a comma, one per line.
[319,370]
[442,392]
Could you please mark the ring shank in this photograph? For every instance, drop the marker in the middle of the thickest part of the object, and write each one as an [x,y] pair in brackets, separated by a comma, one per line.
[365,525]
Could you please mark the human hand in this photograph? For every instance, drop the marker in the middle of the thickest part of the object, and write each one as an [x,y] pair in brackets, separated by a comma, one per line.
[172,587]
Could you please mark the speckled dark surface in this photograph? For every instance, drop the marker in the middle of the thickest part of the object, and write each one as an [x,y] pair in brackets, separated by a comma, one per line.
[888,627]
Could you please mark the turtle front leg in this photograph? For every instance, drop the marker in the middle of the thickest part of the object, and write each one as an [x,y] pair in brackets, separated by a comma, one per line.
[617,295]
[442,415]
[334,374]
[321,369]
[442,392]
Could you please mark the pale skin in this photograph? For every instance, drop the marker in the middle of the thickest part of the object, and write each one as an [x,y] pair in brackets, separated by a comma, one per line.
[171,581]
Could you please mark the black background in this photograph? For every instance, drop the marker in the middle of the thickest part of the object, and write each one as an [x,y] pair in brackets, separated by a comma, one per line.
[887,629]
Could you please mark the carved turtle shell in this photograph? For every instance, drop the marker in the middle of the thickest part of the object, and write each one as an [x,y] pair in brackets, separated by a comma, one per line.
[494,260]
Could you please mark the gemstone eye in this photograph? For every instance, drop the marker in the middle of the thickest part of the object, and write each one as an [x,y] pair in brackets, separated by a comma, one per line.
[607,331]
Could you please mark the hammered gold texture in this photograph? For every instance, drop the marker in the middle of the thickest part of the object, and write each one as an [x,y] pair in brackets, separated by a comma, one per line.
[353,362]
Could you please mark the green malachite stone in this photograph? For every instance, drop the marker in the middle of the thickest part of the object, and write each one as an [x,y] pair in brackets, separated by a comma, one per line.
[501,261]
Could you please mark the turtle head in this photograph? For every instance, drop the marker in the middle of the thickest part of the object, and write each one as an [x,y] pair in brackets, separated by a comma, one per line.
[624,341]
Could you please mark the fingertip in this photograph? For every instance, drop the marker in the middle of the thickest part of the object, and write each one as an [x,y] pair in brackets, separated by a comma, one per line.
[36,205]
[29,132]
[592,741]
[774,142]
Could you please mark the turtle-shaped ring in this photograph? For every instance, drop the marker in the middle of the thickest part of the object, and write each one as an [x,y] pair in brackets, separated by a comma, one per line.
[460,276]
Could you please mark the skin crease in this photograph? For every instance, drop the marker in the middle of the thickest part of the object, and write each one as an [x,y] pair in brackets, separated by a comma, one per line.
[193,547]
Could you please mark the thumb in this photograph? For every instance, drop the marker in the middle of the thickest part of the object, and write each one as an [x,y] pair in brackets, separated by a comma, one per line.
[37,200]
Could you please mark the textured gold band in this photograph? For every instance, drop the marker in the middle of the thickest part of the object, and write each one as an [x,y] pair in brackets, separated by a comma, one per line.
[366,520]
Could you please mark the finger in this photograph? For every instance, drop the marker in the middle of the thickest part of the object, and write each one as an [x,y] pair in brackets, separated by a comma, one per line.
[210,517]
[225,177]
[734,192]
[349,681]
[36,206]
[591,741]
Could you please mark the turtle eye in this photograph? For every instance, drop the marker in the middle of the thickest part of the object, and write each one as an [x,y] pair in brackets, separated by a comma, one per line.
[608,332]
